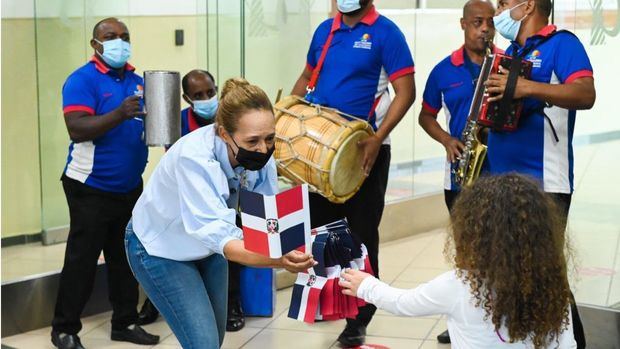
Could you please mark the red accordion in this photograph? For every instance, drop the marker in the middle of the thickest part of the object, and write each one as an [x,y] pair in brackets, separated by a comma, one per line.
[503,115]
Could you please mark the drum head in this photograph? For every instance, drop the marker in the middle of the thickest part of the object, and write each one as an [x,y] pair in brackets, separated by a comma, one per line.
[346,174]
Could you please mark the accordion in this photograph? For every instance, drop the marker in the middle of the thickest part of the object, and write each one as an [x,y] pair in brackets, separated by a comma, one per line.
[503,115]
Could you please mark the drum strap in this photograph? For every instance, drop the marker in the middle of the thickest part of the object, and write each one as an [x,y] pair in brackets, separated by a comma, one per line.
[319,65]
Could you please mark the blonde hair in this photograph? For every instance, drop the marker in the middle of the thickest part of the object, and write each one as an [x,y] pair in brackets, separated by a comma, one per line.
[238,97]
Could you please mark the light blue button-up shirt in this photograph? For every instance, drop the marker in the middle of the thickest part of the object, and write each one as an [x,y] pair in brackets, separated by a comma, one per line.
[187,210]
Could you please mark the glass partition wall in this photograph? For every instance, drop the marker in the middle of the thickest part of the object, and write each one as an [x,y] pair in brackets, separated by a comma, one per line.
[43,41]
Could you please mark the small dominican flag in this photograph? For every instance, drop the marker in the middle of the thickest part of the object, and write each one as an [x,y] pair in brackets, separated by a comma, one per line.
[274,225]
[305,299]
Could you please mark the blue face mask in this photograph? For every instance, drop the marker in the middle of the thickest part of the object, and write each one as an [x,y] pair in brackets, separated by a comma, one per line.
[115,52]
[348,6]
[506,25]
[205,108]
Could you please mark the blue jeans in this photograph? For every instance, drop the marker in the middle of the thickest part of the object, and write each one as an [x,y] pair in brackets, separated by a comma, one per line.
[192,296]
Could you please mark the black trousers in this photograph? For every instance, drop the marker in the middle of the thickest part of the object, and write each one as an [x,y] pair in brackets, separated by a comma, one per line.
[363,212]
[98,222]
[563,201]
[449,197]
[234,283]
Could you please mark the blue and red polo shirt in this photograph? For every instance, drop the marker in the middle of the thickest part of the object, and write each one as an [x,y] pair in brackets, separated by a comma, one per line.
[451,86]
[360,63]
[557,58]
[115,161]
[189,121]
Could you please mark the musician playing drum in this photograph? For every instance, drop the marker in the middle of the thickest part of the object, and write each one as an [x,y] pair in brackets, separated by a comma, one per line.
[452,83]
[366,51]
[561,83]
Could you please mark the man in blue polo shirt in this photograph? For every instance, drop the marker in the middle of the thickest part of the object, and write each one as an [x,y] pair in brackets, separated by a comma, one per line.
[561,82]
[366,52]
[451,85]
[102,181]
[200,91]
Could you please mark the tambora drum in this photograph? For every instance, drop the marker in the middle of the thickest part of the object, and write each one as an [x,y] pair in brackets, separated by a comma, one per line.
[318,146]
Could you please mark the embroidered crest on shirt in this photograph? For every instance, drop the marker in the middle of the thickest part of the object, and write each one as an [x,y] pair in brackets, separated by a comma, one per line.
[272,226]
[534,58]
[364,42]
[139,91]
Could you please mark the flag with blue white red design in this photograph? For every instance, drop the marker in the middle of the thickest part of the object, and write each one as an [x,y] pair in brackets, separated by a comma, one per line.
[274,225]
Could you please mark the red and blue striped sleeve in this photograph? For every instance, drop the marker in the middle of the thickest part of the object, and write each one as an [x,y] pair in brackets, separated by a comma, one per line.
[396,56]
[431,99]
[571,59]
[78,95]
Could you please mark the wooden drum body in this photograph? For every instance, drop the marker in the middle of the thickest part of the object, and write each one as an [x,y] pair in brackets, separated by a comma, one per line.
[317,146]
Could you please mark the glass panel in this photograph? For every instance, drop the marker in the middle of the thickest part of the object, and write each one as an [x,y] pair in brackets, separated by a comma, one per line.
[21,187]
[594,219]
[62,46]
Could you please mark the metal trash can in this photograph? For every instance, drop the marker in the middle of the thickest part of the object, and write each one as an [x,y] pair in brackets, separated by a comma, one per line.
[162,101]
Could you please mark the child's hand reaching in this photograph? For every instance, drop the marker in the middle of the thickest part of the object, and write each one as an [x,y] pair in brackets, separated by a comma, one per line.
[351,280]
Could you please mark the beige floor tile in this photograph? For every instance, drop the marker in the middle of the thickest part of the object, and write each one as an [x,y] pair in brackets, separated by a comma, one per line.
[28,341]
[22,267]
[433,344]
[167,346]
[262,322]
[234,340]
[280,339]
[283,322]
[231,339]
[392,343]
[440,326]
[400,327]
[97,343]
[172,340]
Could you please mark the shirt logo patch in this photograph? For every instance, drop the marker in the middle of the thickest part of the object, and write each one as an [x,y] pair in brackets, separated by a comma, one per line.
[272,226]
[107,94]
[139,90]
[533,57]
[456,84]
[364,42]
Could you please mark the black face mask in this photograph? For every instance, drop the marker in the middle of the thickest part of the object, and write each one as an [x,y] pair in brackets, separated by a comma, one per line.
[252,160]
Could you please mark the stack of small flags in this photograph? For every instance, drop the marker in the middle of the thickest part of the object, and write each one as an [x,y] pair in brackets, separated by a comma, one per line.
[316,293]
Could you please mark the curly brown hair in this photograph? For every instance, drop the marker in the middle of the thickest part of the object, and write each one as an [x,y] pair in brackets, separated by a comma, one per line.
[507,242]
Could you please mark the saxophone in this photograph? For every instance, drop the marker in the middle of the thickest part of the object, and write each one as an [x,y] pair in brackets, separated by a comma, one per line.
[472,157]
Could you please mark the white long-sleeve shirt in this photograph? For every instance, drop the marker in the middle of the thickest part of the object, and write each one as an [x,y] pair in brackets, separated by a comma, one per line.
[449,295]
[187,209]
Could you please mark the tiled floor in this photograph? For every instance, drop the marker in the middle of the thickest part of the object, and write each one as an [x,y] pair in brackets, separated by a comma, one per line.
[404,263]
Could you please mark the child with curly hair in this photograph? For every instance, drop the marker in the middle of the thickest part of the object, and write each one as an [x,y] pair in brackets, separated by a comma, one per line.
[509,288]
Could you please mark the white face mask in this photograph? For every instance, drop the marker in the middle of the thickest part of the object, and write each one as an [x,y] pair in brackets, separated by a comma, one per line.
[506,25]
[348,6]
[115,52]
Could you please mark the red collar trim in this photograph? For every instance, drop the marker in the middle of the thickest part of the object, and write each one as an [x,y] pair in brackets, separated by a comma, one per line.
[103,69]
[192,123]
[546,31]
[457,58]
[369,19]
[371,16]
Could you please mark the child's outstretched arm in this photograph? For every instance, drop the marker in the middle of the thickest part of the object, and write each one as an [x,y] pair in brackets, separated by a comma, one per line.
[439,296]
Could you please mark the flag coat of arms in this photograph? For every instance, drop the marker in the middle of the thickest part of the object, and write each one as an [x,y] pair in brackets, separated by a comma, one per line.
[274,225]
[305,298]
